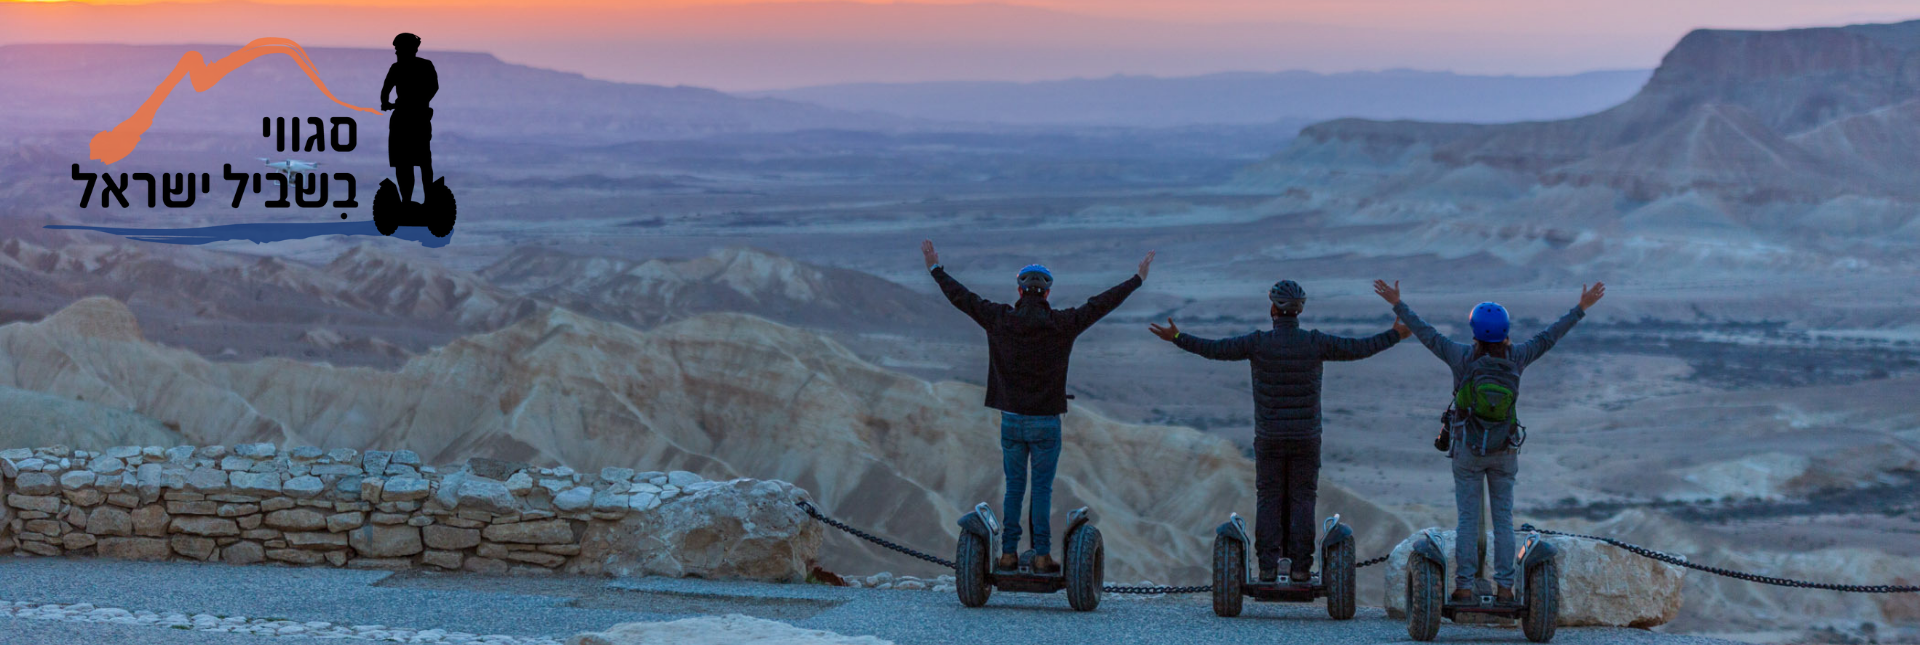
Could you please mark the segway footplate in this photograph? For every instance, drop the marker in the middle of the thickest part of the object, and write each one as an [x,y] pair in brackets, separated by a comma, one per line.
[1284,590]
[1027,581]
[1486,606]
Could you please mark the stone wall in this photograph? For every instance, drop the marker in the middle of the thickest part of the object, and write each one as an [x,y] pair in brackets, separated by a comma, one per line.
[256,503]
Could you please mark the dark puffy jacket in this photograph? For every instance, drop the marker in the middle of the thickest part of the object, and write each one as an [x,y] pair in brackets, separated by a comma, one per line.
[1286,371]
[1029,342]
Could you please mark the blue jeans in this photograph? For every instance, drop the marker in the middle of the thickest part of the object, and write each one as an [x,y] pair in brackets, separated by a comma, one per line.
[1028,440]
[1496,473]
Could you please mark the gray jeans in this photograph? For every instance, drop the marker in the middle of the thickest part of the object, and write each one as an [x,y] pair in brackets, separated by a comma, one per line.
[1496,473]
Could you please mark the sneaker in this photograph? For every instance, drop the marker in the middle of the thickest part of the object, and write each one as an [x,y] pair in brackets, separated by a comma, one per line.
[1269,575]
[1044,563]
[1300,576]
[1464,596]
[1007,562]
[1504,595]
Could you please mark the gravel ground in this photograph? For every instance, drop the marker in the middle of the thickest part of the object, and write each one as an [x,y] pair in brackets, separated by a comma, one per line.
[557,607]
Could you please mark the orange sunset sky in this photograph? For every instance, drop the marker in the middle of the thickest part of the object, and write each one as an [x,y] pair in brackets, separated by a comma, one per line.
[746,45]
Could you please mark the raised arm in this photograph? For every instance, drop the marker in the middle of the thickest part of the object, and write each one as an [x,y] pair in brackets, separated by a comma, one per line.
[1238,348]
[1450,352]
[1537,346]
[1441,346]
[966,301]
[1099,306]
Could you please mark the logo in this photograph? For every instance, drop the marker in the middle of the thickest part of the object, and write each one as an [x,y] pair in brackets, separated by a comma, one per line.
[405,96]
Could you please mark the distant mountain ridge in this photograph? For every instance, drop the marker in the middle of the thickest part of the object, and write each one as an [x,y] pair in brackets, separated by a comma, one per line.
[1788,154]
[1803,113]
[93,87]
[1237,98]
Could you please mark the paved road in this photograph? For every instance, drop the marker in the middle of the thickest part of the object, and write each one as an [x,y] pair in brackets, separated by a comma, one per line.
[557,607]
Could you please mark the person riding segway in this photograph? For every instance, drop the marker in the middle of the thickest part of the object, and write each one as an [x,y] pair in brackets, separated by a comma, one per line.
[410,145]
[1482,434]
[1287,364]
[1028,346]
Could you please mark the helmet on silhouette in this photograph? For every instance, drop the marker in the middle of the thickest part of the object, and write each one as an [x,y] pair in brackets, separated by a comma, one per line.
[1288,297]
[1490,322]
[1035,279]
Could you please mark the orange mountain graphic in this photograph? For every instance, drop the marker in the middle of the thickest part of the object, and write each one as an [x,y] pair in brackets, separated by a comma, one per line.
[113,145]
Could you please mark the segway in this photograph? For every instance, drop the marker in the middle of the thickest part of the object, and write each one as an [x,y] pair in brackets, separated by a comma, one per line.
[1231,581]
[1536,601]
[390,212]
[1082,574]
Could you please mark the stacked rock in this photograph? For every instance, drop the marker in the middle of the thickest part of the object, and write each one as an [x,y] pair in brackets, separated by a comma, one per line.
[381,510]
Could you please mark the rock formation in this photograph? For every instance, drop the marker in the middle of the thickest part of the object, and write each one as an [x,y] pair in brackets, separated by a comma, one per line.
[37,419]
[1600,584]
[744,280]
[386,510]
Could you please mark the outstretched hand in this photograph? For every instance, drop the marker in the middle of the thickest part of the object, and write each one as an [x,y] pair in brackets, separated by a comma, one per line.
[1144,265]
[1167,333]
[1389,293]
[932,256]
[1591,295]
[1402,328]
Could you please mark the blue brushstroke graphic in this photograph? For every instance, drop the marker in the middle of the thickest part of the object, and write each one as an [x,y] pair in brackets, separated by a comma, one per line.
[263,232]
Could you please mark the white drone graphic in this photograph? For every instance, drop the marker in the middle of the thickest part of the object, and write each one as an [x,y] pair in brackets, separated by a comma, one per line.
[291,166]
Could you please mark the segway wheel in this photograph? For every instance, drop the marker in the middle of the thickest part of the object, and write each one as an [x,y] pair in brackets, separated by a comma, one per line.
[1543,602]
[442,210]
[386,207]
[1336,570]
[1086,568]
[970,570]
[1229,571]
[1426,590]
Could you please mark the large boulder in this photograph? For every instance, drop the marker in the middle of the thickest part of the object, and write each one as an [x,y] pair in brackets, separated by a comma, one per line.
[732,629]
[743,528]
[1600,584]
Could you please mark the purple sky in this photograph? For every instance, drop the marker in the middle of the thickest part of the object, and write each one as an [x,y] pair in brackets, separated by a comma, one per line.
[743,46]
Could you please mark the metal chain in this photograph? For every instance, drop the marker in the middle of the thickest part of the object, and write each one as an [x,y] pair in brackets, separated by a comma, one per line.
[1632,548]
[1155,590]
[1737,575]
[1119,589]
[808,507]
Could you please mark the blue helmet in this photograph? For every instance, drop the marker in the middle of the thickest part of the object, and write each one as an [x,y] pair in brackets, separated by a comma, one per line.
[1034,277]
[1490,322]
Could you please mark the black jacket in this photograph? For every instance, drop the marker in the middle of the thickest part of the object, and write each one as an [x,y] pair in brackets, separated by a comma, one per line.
[1286,371]
[1028,343]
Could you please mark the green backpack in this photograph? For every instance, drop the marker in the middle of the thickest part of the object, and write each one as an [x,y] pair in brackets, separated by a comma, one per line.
[1486,402]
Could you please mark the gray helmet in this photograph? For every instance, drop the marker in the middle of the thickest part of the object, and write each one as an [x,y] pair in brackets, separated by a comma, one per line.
[1288,297]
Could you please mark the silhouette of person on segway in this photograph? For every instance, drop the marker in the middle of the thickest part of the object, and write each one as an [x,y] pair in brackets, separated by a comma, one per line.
[410,145]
